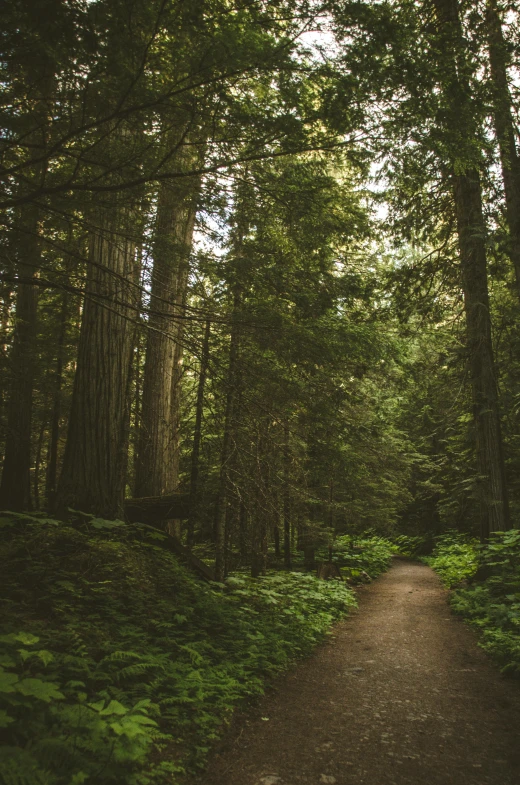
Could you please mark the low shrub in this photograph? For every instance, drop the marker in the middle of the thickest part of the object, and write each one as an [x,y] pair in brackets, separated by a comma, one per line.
[362,559]
[413,546]
[455,558]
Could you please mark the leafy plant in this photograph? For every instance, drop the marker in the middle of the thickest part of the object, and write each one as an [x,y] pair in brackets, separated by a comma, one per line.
[455,558]
[412,546]
[492,604]
[362,558]
[118,666]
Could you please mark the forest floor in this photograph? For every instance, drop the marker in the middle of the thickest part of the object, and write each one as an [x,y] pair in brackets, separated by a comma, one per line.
[401,695]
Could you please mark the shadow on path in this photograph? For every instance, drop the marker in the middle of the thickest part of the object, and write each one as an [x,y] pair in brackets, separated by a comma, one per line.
[400,696]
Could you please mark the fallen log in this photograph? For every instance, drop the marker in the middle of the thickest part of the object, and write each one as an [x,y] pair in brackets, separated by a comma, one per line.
[155,509]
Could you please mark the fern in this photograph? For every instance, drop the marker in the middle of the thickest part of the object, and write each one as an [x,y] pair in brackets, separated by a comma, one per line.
[18,767]
[115,660]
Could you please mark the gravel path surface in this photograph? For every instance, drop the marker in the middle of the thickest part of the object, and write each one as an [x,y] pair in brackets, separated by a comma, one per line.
[401,695]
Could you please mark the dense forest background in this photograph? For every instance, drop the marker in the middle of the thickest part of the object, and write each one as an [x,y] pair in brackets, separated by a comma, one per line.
[266,257]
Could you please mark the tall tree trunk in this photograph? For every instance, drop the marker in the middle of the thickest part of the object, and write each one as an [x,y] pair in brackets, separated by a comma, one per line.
[93,476]
[494,508]
[467,193]
[242,532]
[276,538]
[156,456]
[37,464]
[286,499]
[52,466]
[505,130]
[261,528]
[174,526]
[15,487]
[6,294]
[227,444]
[197,436]
[135,418]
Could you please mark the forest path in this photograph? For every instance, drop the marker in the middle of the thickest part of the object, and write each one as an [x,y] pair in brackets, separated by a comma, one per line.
[401,695]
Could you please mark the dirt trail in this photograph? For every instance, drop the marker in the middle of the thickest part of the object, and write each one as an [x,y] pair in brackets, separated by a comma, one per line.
[401,695]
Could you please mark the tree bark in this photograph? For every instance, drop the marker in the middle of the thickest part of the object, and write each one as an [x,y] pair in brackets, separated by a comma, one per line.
[197,435]
[467,193]
[52,465]
[15,487]
[156,472]
[505,130]
[174,526]
[286,500]
[494,508]
[227,444]
[37,464]
[93,476]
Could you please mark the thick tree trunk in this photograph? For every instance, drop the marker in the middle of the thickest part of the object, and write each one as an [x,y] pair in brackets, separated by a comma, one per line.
[494,509]
[197,435]
[156,456]
[93,476]
[505,130]
[15,490]
[462,133]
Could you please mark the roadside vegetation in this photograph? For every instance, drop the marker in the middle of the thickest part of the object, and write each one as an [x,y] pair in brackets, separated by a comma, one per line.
[117,665]
[486,583]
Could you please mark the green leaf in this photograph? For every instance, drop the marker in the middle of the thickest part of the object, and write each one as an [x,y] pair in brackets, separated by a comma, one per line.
[5,719]
[114,707]
[144,704]
[45,656]
[79,778]
[97,706]
[7,681]
[21,637]
[37,688]
[26,638]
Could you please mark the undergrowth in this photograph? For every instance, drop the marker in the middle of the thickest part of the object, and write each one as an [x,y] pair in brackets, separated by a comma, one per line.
[455,558]
[118,666]
[361,558]
[491,604]
[413,546]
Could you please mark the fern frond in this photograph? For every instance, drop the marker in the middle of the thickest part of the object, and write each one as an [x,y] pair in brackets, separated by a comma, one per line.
[18,767]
